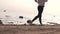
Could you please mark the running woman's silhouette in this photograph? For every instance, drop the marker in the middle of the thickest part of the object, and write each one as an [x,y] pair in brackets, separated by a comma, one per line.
[40,10]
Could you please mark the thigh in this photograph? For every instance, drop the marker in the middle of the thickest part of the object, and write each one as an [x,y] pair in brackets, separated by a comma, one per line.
[40,9]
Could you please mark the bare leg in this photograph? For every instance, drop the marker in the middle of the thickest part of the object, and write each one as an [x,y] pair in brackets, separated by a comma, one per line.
[40,10]
[35,18]
[40,20]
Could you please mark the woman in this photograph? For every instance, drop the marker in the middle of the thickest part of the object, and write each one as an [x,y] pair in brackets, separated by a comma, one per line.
[40,9]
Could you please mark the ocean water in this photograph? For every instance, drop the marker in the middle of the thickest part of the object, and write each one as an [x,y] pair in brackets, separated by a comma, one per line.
[13,18]
[28,9]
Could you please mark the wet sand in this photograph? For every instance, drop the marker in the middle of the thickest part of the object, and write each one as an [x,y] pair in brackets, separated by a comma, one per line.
[21,29]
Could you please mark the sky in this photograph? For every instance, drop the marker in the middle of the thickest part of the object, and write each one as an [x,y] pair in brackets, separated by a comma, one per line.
[28,8]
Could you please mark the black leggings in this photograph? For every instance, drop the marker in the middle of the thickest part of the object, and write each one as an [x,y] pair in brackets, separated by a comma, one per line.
[40,10]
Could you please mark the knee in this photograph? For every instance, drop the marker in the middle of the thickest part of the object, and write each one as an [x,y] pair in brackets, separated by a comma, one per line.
[37,16]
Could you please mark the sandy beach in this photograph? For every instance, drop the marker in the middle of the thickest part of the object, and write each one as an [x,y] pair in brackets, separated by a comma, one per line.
[21,29]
